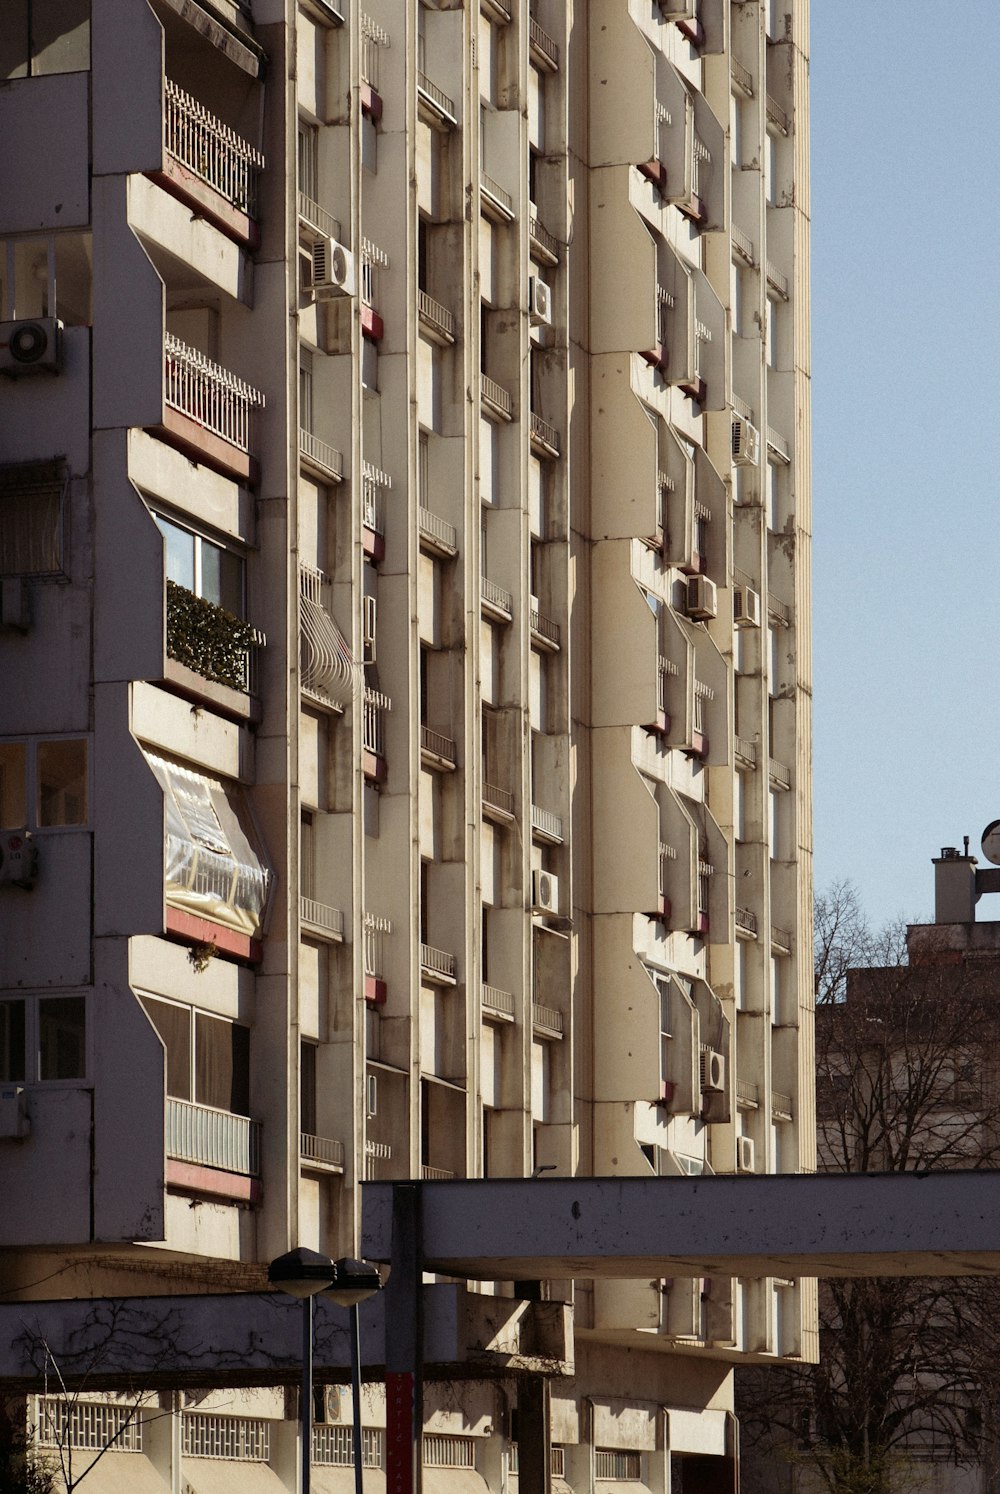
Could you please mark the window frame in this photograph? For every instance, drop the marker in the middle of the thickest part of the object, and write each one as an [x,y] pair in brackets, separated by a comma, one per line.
[31,1002]
[193,1013]
[31,806]
[225,545]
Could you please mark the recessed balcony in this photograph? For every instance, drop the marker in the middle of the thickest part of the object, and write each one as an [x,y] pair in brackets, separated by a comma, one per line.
[212,1151]
[546,1020]
[544,437]
[498,804]
[543,630]
[543,48]
[544,245]
[747,1094]
[437,751]
[746,924]
[745,753]
[207,411]
[322,920]
[779,776]
[436,319]
[375,930]
[781,940]
[209,643]
[319,458]
[373,758]
[209,166]
[495,398]
[434,104]
[320,1153]
[496,600]
[546,826]
[375,483]
[437,966]
[496,202]
[498,1004]
[436,534]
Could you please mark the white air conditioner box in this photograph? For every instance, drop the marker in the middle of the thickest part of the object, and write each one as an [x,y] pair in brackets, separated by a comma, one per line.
[332,270]
[33,346]
[713,1072]
[544,892]
[539,302]
[679,10]
[746,607]
[702,598]
[18,858]
[13,1112]
[746,443]
[744,1154]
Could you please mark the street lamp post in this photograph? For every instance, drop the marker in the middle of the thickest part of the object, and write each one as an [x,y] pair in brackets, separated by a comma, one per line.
[305,1273]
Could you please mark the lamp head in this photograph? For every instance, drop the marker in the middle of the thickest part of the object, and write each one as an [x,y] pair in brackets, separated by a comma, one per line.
[353,1282]
[302,1272]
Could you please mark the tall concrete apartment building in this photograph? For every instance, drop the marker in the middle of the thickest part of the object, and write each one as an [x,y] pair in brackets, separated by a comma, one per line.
[404,740]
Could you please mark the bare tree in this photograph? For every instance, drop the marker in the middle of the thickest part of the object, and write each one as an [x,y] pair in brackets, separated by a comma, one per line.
[905,1081]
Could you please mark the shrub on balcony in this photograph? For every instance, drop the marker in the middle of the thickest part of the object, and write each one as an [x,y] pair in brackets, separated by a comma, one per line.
[207,638]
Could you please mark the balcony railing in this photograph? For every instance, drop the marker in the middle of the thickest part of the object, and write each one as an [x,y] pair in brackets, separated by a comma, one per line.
[436,316]
[702,692]
[316,218]
[375,929]
[495,394]
[334,1446]
[746,751]
[542,43]
[613,1463]
[540,237]
[439,1449]
[544,627]
[499,1001]
[705,873]
[496,596]
[322,916]
[781,1106]
[436,1175]
[778,444]
[439,532]
[500,196]
[322,1150]
[779,774]
[701,158]
[438,745]
[374,482]
[547,824]
[546,1016]
[777,280]
[439,101]
[664,669]
[545,434]
[781,940]
[775,114]
[209,640]
[742,75]
[213,1138]
[208,393]
[210,149]
[438,962]
[373,733]
[747,1094]
[373,259]
[498,798]
[746,922]
[373,37]
[664,306]
[742,408]
[321,455]
[743,243]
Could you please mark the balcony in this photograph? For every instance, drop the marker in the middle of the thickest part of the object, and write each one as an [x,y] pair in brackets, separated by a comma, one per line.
[373,758]
[747,1094]
[777,445]
[496,398]
[775,114]
[543,48]
[437,751]
[776,280]
[320,1153]
[544,437]
[375,930]
[543,629]
[779,776]
[436,534]
[781,1106]
[319,458]
[207,411]
[208,166]
[743,244]
[373,38]
[317,222]
[213,1138]
[374,483]
[435,1175]
[665,669]
[544,245]
[666,854]
[705,873]
[546,826]
[373,259]
[498,804]
[778,611]
[496,601]
[545,1019]
[745,753]
[437,966]
[320,918]
[497,1003]
[698,746]
[328,670]
[435,103]
[781,940]
[209,642]
[496,201]
[437,319]
[742,77]
[746,924]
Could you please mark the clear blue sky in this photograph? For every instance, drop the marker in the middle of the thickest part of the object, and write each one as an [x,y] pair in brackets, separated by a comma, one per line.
[906,440]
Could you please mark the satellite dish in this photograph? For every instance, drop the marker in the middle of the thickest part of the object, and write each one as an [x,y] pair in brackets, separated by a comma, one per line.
[991,842]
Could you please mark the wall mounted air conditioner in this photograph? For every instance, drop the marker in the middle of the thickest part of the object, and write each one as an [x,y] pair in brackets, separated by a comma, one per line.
[746,607]
[744,1154]
[746,443]
[702,598]
[332,270]
[369,624]
[544,892]
[34,346]
[18,858]
[713,1072]
[14,1120]
[329,1404]
[679,10]
[539,302]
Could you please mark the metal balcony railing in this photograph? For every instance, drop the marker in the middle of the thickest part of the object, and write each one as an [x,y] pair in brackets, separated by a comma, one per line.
[742,75]
[497,596]
[499,194]
[776,279]
[375,929]
[321,454]
[321,1149]
[778,610]
[664,306]
[781,940]
[496,1000]
[775,114]
[744,244]
[778,444]
[322,916]
[747,1094]
[540,430]
[781,1106]
[746,921]
[705,874]
[742,408]
[542,239]
[438,530]
[245,1439]
[542,42]
[441,1175]
[374,483]
[664,669]
[545,627]
[546,1016]
[437,744]
[436,97]
[496,395]
[701,159]
[196,138]
[441,1450]
[316,218]
[213,1138]
[546,823]
[498,798]
[779,774]
[746,751]
[373,37]
[438,962]
[373,732]
[435,315]
[373,259]
[208,393]
[613,1463]
[329,671]
[702,693]
[334,1446]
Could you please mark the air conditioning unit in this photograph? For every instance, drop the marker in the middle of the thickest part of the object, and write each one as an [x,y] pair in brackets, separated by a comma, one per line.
[539,302]
[746,443]
[332,270]
[746,607]
[744,1154]
[28,347]
[713,1072]
[544,892]
[371,1096]
[328,1405]
[679,10]
[13,1112]
[702,598]
[369,621]
[18,858]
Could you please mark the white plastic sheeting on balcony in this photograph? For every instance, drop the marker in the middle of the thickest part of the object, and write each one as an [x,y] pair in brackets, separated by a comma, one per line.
[330,674]
[212,867]
[208,393]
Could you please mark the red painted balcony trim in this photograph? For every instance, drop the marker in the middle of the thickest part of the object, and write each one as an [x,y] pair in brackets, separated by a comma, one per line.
[656,356]
[376,990]
[189,1177]
[694,209]
[201,445]
[654,171]
[181,183]
[371,323]
[695,388]
[694,31]
[371,103]
[373,544]
[191,929]
[374,767]
[698,745]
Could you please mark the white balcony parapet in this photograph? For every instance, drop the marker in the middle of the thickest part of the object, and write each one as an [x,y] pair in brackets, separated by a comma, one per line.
[547,1017]
[438,532]
[208,393]
[781,939]
[333,1446]
[544,434]
[321,455]
[496,396]
[778,611]
[781,1106]
[498,197]
[495,1000]
[246,1439]
[435,1175]
[439,102]
[546,824]
[743,243]
[322,1150]
[440,1450]
[87,1426]
[436,316]
[542,44]
[209,149]
[373,736]
[330,674]
[746,751]
[743,409]
[747,1094]
[322,916]
[614,1463]
[497,596]
[213,1138]
[438,963]
[375,929]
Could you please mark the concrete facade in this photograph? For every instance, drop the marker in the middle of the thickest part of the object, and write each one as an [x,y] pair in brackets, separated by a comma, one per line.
[404,549]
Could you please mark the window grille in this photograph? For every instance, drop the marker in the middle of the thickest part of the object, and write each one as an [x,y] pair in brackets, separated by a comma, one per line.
[613,1463]
[334,1445]
[90,1426]
[245,1439]
[448,1452]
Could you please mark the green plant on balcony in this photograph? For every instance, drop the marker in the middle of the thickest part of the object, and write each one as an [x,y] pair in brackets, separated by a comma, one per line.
[208,639]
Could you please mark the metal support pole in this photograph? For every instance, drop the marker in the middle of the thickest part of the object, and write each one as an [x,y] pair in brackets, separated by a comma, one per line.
[356,1398]
[306,1397]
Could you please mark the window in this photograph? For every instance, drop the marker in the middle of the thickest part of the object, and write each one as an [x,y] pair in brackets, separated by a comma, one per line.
[308,146]
[198,565]
[208,1057]
[44,36]
[306,391]
[307,1089]
[44,783]
[31,506]
[47,275]
[43,1038]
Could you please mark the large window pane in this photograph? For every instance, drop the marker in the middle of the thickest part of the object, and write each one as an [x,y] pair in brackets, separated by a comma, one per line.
[62,1037]
[222,1064]
[30,529]
[222,577]
[11,1041]
[179,553]
[62,783]
[173,1023]
[13,794]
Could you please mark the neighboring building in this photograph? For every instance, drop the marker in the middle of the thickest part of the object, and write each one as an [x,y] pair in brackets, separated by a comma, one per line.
[405,583]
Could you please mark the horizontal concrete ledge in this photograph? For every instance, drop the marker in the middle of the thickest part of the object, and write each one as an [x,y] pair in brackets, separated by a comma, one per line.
[885,1224]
